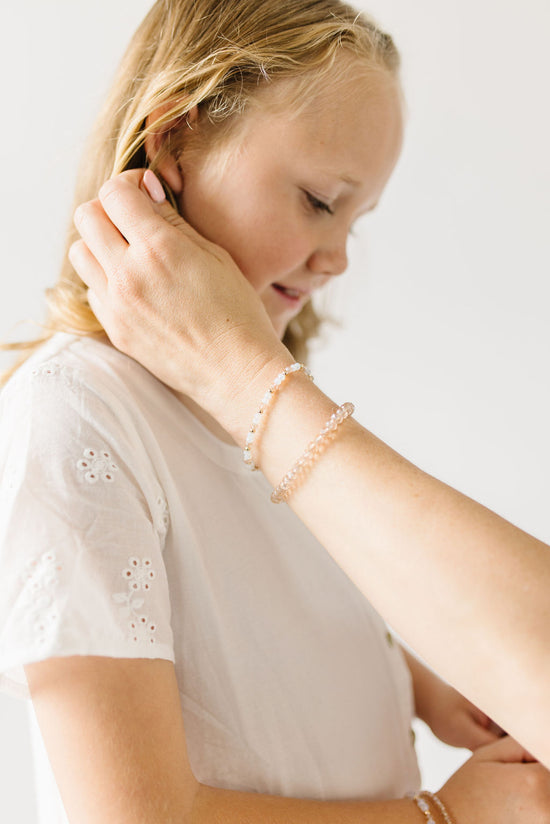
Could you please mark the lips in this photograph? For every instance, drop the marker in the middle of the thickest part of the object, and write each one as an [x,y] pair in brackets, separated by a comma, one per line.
[291,293]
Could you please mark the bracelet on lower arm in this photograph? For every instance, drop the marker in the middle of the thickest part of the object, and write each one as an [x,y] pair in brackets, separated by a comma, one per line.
[312,452]
[422,800]
[439,804]
[261,413]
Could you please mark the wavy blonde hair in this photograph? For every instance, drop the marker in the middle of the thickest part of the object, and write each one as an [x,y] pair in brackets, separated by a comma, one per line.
[213,55]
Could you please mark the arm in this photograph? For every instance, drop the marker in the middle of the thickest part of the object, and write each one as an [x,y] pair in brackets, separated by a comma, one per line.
[450,716]
[114,734]
[425,555]
[436,564]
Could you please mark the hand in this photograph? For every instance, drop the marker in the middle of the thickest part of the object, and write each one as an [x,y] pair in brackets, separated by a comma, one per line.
[456,721]
[499,784]
[450,716]
[169,298]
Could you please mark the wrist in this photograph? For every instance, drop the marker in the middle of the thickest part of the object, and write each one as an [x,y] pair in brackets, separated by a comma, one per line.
[236,396]
[433,808]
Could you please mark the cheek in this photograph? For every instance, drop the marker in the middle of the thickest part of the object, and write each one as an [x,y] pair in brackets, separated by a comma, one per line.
[261,235]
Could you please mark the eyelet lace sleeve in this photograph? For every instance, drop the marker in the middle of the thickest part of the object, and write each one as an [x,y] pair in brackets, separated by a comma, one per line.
[82,529]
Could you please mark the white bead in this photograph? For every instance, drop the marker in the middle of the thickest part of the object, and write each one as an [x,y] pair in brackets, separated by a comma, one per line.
[256,419]
[267,397]
[250,438]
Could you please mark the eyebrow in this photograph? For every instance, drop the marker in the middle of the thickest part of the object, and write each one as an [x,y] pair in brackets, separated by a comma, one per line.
[348,179]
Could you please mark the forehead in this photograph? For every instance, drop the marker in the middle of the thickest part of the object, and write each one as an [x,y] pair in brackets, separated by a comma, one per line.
[351,126]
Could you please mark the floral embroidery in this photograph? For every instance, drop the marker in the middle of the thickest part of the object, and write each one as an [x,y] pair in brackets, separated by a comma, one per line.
[162,517]
[139,574]
[141,629]
[40,580]
[49,368]
[97,466]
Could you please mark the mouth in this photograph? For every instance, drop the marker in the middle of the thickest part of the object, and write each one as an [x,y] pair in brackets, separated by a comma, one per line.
[293,296]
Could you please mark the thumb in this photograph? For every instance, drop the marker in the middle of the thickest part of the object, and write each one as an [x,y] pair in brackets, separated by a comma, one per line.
[504,749]
[479,727]
[477,736]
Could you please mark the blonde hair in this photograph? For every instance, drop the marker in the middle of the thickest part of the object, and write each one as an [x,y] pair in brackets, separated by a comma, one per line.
[213,55]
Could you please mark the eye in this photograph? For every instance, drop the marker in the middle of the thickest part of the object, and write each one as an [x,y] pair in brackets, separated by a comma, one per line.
[316,204]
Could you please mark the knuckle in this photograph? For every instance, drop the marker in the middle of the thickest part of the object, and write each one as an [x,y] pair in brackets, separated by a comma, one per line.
[112,195]
[80,214]
[75,251]
[85,212]
[109,189]
[155,248]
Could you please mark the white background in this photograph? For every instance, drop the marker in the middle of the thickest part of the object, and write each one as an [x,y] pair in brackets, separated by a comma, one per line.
[446,338]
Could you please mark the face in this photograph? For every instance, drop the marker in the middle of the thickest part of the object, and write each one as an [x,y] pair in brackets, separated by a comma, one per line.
[282,198]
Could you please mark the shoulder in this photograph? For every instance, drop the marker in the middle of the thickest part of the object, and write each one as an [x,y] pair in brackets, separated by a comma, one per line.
[72,380]
[68,363]
[71,414]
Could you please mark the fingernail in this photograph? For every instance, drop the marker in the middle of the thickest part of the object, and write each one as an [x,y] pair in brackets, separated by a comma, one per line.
[153,186]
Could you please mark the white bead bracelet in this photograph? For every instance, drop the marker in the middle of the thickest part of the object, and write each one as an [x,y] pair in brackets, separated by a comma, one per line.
[266,400]
[438,803]
[424,808]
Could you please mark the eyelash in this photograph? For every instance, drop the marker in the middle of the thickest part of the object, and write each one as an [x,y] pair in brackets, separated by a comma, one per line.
[317,204]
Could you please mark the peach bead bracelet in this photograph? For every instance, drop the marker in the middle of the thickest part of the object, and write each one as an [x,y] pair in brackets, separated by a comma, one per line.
[312,452]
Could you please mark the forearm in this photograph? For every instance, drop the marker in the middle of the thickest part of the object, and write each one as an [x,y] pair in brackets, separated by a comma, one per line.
[215,806]
[465,588]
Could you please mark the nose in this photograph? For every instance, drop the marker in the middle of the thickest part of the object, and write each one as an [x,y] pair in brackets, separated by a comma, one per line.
[330,257]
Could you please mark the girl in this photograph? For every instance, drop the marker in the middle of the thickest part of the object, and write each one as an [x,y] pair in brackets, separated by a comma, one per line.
[191,653]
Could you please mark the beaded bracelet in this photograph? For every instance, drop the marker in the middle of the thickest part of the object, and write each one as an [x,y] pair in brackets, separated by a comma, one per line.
[313,450]
[266,400]
[439,804]
[424,808]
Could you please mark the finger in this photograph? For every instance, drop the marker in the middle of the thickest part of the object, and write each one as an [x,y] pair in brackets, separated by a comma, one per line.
[87,267]
[479,737]
[128,207]
[503,749]
[102,238]
[96,306]
[498,731]
[134,213]
[152,186]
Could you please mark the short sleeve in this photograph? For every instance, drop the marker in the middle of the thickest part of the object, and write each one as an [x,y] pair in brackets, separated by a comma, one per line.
[82,526]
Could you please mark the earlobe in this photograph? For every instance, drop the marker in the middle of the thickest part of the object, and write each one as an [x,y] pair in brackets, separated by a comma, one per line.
[156,144]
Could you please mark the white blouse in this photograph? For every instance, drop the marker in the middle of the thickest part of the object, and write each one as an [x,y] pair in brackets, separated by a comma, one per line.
[127,529]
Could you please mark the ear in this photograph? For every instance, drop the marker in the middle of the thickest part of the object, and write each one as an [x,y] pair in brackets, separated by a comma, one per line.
[168,168]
